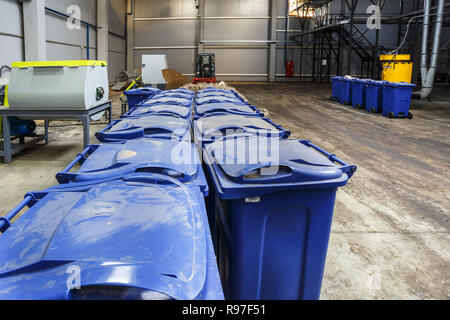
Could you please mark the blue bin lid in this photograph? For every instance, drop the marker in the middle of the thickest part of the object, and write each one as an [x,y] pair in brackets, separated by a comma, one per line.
[216,93]
[172,95]
[169,109]
[144,231]
[215,89]
[399,84]
[165,127]
[182,90]
[218,99]
[177,159]
[140,91]
[227,107]
[187,102]
[286,165]
[209,128]
[376,82]
[337,78]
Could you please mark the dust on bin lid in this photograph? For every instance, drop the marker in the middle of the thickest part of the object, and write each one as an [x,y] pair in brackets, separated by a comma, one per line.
[149,125]
[275,165]
[177,159]
[135,232]
[174,109]
[226,107]
[213,125]
[168,100]
[144,90]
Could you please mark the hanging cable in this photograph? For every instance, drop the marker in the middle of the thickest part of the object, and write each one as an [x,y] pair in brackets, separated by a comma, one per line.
[395,51]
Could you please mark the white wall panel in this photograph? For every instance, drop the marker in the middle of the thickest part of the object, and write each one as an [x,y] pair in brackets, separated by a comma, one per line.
[233,8]
[165,33]
[236,29]
[164,8]
[11,48]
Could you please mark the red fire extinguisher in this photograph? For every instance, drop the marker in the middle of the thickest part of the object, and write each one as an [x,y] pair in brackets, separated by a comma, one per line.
[289,68]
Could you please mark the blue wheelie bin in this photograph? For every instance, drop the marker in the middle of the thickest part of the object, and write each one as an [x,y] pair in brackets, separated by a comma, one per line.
[135,96]
[397,99]
[374,96]
[346,90]
[176,159]
[141,237]
[359,93]
[150,126]
[160,109]
[336,88]
[218,125]
[231,108]
[273,215]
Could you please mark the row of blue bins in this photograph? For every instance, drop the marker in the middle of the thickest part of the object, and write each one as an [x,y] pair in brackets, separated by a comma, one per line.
[271,199]
[174,204]
[393,99]
[127,221]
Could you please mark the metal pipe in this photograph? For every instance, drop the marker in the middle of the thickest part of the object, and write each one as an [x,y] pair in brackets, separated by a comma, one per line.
[429,74]
[425,29]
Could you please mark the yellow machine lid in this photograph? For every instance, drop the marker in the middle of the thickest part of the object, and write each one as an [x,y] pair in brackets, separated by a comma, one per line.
[67,63]
[397,57]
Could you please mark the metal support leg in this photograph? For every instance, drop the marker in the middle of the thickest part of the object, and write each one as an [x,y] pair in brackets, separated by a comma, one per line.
[7,153]
[110,113]
[86,131]
[46,132]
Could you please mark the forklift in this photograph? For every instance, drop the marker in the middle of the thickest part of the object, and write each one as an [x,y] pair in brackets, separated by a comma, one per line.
[205,69]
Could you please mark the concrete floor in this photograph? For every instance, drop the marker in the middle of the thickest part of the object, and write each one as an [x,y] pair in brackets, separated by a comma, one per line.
[390,236]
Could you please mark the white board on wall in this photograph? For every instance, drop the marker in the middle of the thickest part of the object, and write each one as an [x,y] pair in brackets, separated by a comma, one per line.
[152,66]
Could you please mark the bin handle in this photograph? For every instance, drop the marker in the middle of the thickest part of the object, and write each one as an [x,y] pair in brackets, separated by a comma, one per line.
[131,133]
[346,168]
[81,157]
[157,113]
[152,177]
[5,222]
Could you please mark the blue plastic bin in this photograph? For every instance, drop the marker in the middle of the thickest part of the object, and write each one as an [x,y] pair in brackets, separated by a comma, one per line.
[336,88]
[218,125]
[143,237]
[187,102]
[151,126]
[359,93]
[160,109]
[346,90]
[177,159]
[238,109]
[135,96]
[397,99]
[374,96]
[273,224]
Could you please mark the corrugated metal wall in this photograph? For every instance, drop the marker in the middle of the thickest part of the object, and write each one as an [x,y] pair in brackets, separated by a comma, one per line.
[62,42]
[171,27]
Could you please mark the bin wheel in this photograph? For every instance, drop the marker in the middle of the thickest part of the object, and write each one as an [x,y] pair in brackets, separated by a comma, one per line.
[391,115]
[372,110]
[410,115]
